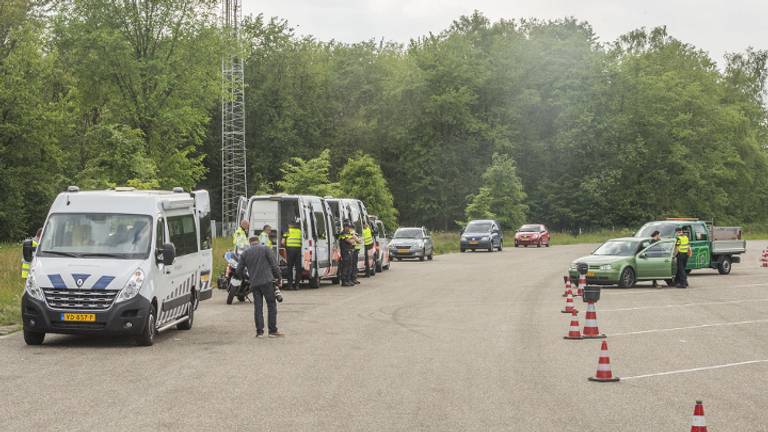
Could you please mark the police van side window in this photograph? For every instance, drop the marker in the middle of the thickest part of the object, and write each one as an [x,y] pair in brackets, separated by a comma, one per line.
[183,234]
[320,226]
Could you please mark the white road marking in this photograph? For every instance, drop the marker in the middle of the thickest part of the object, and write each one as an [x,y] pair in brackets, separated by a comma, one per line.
[690,327]
[686,305]
[682,371]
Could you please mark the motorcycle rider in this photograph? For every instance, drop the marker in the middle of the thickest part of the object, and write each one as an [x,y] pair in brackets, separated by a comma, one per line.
[262,269]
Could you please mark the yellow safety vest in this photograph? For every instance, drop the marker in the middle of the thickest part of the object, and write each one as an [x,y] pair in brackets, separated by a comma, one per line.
[240,239]
[25,266]
[682,244]
[264,239]
[293,238]
[367,236]
[358,245]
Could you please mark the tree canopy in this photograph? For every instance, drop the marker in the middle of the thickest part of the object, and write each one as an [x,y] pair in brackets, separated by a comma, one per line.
[513,117]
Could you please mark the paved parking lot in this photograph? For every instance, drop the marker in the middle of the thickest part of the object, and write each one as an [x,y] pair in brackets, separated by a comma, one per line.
[466,342]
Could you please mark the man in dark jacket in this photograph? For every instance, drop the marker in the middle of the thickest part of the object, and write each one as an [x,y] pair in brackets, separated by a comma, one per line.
[262,270]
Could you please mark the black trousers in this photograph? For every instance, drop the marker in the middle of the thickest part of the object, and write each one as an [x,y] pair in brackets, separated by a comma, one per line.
[682,276]
[350,266]
[355,259]
[294,262]
[261,293]
[367,263]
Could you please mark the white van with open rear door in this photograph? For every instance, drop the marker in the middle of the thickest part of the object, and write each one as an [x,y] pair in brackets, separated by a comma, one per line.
[320,250]
[349,210]
[119,262]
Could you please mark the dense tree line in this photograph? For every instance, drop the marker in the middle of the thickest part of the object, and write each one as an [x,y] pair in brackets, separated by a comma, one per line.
[515,119]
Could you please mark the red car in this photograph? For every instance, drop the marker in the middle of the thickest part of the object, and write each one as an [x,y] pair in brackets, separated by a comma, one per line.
[532,234]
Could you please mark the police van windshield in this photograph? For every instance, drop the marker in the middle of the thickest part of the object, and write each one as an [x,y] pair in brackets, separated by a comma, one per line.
[91,235]
[666,229]
[478,227]
[414,233]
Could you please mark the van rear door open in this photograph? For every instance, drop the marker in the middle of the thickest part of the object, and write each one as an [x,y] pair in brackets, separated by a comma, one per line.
[203,211]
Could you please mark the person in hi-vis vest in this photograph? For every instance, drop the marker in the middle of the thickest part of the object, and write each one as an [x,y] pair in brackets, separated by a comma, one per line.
[292,244]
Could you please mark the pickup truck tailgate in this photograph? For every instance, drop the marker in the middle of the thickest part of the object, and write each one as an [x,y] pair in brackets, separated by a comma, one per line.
[723,247]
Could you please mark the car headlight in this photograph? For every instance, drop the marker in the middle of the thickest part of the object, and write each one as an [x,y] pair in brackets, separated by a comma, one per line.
[606,267]
[132,287]
[32,288]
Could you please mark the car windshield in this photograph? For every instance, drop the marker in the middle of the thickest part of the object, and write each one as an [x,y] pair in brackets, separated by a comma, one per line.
[617,248]
[666,229]
[93,235]
[478,227]
[409,233]
[530,228]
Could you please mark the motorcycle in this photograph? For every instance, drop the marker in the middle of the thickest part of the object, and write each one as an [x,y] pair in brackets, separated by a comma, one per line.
[235,286]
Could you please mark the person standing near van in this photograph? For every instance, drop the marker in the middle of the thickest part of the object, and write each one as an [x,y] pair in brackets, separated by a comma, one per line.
[368,245]
[262,270]
[240,237]
[358,245]
[292,244]
[683,252]
[264,237]
[346,243]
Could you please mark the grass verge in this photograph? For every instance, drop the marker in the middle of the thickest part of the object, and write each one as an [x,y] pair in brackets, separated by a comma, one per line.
[11,284]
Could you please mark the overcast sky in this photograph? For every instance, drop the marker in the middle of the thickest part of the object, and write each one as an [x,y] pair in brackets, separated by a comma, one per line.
[717,26]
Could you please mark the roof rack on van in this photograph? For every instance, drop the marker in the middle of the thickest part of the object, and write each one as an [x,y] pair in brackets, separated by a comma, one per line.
[125,189]
[178,189]
[682,219]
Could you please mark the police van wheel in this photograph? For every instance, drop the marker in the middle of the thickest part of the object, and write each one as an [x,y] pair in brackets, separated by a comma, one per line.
[147,337]
[33,338]
[187,325]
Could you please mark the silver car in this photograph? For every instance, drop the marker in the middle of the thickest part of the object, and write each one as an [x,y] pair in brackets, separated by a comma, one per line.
[411,243]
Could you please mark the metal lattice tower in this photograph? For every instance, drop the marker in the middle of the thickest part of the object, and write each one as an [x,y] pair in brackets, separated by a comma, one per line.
[233,164]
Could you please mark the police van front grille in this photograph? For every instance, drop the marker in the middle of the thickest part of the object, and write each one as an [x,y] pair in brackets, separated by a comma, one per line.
[79,299]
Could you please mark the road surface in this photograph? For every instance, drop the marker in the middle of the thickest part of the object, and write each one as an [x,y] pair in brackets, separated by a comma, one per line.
[467,342]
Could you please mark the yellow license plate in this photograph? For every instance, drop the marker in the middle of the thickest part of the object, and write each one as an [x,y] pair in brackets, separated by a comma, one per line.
[78,317]
[205,277]
[590,274]
[474,242]
[403,250]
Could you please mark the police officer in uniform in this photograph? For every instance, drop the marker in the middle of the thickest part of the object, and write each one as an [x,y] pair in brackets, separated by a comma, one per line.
[346,243]
[355,254]
[292,244]
[682,251]
[264,236]
[368,245]
[240,237]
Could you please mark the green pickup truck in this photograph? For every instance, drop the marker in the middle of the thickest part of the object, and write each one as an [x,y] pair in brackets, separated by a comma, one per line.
[712,246]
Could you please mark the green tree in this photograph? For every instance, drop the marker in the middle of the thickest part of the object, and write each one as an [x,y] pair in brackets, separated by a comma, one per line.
[363,179]
[308,177]
[501,196]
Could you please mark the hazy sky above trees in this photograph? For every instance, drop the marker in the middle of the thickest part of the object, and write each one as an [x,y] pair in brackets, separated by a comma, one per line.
[716,26]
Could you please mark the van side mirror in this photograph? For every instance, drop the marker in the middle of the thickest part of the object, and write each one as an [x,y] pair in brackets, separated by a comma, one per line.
[461,231]
[28,251]
[166,255]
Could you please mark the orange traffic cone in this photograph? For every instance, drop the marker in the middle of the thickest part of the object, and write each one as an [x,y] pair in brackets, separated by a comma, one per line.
[568,288]
[698,424]
[582,284]
[604,373]
[573,330]
[590,323]
[569,304]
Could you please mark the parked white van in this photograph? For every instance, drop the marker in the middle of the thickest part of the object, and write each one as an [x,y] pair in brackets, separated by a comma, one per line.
[119,262]
[320,250]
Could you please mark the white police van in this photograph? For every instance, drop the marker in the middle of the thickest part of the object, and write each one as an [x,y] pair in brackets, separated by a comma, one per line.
[119,262]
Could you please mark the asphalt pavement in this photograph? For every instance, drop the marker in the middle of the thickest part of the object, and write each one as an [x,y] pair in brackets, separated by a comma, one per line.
[466,342]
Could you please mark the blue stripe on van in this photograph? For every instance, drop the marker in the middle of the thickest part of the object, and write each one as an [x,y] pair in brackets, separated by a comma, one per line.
[57,281]
[103,282]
